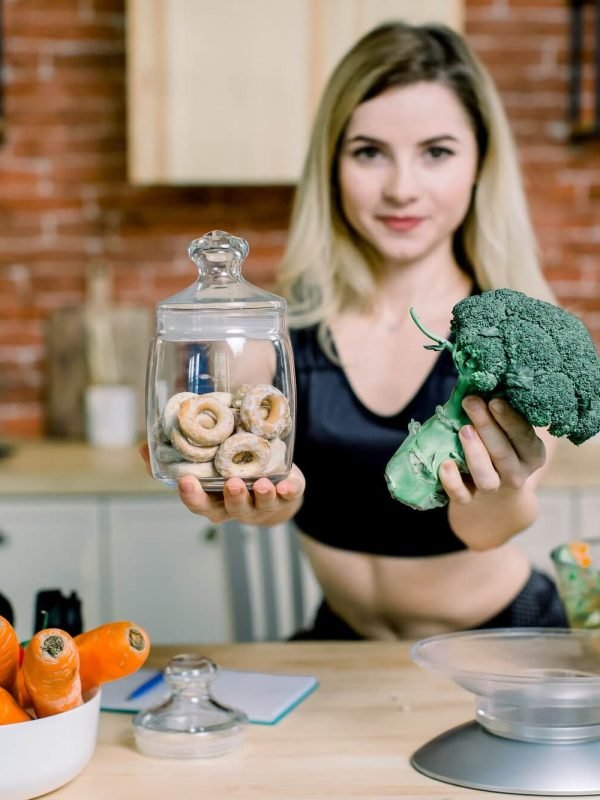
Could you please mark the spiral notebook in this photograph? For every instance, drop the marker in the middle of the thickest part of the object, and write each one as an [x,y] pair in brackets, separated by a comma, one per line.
[264,697]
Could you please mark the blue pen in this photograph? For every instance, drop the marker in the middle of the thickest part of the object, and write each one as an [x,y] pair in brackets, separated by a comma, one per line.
[145,687]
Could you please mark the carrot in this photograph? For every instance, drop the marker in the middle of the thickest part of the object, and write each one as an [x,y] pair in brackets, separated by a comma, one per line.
[9,653]
[10,710]
[19,689]
[581,553]
[111,651]
[51,672]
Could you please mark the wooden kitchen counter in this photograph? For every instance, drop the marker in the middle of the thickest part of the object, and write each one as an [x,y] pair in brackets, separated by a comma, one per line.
[58,467]
[351,738]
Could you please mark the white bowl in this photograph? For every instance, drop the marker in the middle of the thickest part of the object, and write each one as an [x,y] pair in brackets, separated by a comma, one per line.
[41,755]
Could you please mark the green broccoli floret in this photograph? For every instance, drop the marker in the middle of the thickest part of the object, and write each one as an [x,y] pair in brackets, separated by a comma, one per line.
[540,358]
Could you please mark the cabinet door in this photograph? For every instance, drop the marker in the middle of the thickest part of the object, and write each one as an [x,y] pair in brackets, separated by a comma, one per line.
[556,524]
[589,521]
[225,92]
[49,544]
[167,571]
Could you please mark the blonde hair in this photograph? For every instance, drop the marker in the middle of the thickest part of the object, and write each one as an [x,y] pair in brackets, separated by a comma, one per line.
[327,268]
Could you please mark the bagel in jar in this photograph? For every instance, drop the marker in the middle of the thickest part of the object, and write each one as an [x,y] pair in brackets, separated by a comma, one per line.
[205,421]
[243,455]
[265,411]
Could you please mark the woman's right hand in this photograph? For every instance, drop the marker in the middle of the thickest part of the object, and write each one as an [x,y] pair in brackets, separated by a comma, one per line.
[267,503]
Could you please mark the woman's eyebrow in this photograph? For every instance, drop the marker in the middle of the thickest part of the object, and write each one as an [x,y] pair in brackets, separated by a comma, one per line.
[442,137]
[372,140]
[360,138]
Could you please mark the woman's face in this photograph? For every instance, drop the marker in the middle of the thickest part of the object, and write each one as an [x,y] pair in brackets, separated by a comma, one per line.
[406,171]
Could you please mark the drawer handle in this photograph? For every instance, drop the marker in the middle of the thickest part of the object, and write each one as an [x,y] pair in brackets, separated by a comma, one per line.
[4,539]
[210,534]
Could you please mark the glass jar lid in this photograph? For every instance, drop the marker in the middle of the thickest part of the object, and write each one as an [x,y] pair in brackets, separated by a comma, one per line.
[221,302]
[190,723]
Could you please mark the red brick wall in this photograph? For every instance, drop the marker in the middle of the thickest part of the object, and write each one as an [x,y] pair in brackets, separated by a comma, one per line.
[525,45]
[65,201]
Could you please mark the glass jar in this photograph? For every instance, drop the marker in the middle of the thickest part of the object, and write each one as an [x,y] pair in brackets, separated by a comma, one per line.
[220,396]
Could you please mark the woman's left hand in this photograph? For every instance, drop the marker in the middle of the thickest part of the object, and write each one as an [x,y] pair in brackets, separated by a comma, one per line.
[502,451]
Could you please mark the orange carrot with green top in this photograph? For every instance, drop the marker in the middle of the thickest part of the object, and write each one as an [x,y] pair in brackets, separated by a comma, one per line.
[10,710]
[9,653]
[51,672]
[111,651]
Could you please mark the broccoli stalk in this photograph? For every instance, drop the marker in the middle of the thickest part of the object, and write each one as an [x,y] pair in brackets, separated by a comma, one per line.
[540,358]
[412,473]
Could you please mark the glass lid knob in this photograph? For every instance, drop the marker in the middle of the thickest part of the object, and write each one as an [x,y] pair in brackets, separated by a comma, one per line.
[218,246]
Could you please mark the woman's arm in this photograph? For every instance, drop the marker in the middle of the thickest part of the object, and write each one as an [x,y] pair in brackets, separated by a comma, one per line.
[505,456]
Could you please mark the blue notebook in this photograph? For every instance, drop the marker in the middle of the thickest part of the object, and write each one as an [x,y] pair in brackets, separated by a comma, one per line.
[264,697]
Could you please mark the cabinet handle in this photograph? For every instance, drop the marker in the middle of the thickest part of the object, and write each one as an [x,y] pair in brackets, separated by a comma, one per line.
[210,534]
[4,539]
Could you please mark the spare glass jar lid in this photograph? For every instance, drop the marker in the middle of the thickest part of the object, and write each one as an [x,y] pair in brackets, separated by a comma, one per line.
[190,723]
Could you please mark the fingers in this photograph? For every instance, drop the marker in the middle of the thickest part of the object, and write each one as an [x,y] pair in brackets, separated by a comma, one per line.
[200,502]
[144,451]
[483,466]
[237,502]
[500,446]
[528,445]
[453,483]
[292,487]
[486,444]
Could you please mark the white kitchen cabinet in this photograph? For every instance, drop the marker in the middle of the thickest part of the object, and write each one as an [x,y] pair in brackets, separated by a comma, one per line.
[566,514]
[50,544]
[589,514]
[225,92]
[167,571]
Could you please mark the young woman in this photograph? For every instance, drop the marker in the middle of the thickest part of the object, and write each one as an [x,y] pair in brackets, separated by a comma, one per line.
[410,197]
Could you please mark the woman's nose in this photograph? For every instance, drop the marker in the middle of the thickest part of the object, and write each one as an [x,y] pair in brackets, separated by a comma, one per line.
[402,184]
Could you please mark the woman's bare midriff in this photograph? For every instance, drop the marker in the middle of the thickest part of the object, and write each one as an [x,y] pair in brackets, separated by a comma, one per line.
[391,598]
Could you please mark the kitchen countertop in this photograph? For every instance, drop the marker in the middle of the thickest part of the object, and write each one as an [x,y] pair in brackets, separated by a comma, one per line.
[59,467]
[351,738]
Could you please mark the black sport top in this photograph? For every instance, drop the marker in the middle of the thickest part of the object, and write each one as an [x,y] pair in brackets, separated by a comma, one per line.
[343,448]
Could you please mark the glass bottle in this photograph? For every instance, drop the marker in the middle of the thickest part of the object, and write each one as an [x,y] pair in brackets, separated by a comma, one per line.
[220,396]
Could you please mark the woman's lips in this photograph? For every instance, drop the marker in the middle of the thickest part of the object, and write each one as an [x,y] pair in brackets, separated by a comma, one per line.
[401,224]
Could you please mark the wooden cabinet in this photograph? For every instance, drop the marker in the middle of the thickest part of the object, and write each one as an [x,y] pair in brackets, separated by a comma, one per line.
[50,544]
[225,92]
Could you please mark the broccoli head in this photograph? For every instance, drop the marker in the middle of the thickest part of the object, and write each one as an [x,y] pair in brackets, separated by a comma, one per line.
[540,358]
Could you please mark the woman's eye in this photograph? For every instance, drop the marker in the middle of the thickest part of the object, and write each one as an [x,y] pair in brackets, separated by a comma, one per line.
[366,153]
[437,153]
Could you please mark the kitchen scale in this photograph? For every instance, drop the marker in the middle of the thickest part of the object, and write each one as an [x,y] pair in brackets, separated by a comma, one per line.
[537,726]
